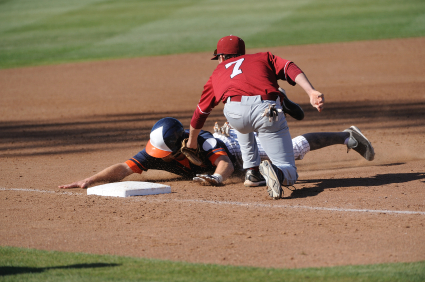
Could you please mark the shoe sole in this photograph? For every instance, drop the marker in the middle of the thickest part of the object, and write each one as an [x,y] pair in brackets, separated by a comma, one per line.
[273,185]
[370,152]
[249,183]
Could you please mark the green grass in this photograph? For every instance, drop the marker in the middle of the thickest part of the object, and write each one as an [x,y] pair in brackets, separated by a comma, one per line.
[18,264]
[56,31]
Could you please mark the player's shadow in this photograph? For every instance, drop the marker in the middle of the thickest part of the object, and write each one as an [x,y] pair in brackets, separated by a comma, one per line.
[378,180]
[24,138]
[14,270]
[101,133]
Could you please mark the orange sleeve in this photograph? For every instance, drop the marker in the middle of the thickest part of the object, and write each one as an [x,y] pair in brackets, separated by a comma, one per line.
[133,165]
[216,153]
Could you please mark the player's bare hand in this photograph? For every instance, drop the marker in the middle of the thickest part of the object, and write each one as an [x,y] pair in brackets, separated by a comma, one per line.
[317,100]
[77,184]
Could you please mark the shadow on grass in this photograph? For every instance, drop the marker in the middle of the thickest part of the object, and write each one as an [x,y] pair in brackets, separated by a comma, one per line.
[13,270]
[377,180]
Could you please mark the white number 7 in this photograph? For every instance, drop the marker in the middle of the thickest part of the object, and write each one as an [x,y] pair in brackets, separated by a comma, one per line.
[236,68]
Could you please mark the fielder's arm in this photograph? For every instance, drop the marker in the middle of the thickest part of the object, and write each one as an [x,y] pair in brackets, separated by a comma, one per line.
[317,99]
[192,142]
[113,173]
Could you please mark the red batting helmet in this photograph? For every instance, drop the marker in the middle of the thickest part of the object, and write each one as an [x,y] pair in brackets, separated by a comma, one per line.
[229,45]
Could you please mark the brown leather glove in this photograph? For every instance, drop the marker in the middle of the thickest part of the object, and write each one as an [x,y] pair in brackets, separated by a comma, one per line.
[193,155]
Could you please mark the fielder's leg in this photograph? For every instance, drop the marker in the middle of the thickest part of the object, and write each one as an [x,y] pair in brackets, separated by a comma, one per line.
[238,115]
[249,150]
[279,149]
[276,140]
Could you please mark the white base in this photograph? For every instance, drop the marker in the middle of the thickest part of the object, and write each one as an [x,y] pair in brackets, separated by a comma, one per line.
[129,188]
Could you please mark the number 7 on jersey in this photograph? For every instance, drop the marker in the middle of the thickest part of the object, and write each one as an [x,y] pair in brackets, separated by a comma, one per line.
[236,68]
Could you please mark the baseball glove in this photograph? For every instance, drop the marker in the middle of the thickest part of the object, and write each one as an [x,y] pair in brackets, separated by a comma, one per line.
[291,108]
[193,155]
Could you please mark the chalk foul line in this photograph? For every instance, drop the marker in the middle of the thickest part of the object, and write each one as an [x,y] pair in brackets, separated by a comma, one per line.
[40,191]
[300,207]
[241,204]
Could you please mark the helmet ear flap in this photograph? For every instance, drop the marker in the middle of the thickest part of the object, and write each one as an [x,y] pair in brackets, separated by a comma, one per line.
[178,144]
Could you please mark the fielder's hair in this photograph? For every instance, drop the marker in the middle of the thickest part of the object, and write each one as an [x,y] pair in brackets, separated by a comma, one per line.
[229,56]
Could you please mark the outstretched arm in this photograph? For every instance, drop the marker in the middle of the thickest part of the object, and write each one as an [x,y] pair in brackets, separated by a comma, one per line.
[113,173]
[317,99]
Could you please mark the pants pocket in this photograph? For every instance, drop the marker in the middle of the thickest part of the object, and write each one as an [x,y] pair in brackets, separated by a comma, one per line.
[234,115]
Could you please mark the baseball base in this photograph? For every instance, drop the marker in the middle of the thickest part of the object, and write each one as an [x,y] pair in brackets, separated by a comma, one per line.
[128,189]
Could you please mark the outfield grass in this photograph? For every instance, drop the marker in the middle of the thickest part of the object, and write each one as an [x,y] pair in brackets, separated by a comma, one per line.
[56,31]
[17,264]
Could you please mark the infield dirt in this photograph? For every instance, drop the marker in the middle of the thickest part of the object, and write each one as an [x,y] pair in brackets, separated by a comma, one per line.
[66,122]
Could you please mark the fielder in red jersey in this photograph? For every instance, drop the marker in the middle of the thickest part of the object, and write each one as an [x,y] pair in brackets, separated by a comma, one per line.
[248,86]
[259,77]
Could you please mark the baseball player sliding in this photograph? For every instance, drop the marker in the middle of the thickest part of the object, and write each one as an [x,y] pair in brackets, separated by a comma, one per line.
[220,154]
[247,84]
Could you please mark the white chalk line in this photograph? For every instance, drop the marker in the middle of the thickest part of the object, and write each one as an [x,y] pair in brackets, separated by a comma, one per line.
[40,191]
[241,204]
[302,207]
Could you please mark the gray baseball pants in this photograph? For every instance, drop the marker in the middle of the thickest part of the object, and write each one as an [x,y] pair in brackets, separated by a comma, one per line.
[245,117]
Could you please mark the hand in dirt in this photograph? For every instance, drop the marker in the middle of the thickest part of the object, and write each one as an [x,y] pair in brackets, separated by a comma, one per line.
[78,184]
[317,100]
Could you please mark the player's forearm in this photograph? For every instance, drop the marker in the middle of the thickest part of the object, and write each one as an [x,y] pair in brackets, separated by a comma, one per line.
[317,99]
[305,84]
[193,137]
[224,167]
[113,173]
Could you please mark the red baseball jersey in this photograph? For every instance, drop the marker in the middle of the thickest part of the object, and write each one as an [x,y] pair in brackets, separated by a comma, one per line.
[247,75]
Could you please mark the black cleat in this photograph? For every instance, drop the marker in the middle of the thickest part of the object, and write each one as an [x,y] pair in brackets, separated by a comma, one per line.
[253,178]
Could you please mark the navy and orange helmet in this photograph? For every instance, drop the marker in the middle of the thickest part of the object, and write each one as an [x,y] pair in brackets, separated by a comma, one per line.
[165,138]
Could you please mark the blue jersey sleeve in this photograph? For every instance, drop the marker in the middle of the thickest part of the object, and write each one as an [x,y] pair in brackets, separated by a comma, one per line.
[210,148]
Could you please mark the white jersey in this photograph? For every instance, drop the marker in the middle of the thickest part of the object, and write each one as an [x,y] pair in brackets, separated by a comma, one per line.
[299,143]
